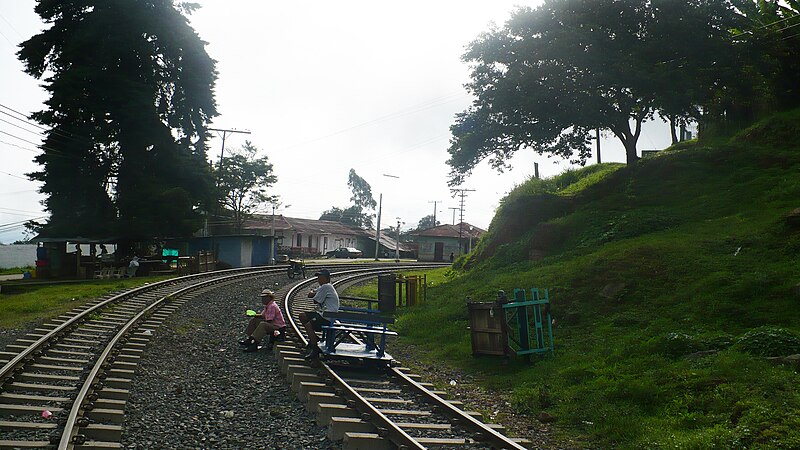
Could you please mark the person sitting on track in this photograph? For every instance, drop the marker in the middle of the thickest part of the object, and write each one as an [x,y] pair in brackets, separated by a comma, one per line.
[326,299]
[269,322]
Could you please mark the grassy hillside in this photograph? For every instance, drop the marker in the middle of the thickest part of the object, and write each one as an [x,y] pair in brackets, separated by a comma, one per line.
[671,282]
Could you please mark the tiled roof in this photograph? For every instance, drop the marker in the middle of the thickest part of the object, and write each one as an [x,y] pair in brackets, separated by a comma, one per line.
[306,226]
[452,231]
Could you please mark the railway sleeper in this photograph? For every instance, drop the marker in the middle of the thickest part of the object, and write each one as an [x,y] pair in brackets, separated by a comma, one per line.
[316,398]
[308,387]
[366,441]
[97,432]
[24,444]
[299,377]
[114,393]
[338,426]
[33,426]
[34,387]
[106,415]
[27,399]
[47,378]
[7,409]
[292,361]
[326,411]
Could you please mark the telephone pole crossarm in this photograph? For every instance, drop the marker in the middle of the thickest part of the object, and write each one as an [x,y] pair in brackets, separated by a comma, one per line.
[462,193]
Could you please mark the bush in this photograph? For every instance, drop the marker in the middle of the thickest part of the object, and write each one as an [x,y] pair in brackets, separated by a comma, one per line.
[678,344]
[768,341]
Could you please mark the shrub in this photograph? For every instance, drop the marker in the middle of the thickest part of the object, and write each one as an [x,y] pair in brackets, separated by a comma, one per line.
[768,341]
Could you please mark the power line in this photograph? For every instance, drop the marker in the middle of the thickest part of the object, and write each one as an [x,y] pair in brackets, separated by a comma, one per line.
[15,176]
[19,146]
[22,128]
[25,119]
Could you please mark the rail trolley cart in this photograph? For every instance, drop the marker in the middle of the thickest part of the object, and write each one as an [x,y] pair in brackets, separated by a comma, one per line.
[296,267]
[357,335]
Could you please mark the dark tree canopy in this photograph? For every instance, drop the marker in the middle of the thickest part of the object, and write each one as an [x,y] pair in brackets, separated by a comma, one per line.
[131,93]
[243,182]
[427,222]
[554,74]
[358,214]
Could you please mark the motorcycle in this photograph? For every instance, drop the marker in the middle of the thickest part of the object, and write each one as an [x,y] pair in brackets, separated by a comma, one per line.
[296,267]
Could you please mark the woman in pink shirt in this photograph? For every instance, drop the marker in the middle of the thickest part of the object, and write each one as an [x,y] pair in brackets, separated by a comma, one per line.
[267,323]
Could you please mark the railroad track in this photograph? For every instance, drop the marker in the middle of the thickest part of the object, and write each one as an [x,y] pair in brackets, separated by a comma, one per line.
[378,408]
[65,384]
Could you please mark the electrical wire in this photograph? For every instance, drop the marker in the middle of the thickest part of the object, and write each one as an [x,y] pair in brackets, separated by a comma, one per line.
[15,176]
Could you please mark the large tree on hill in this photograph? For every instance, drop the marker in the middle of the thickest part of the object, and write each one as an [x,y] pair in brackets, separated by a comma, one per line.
[358,213]
[554,74]
[131,93]
[770,32]
[243,182]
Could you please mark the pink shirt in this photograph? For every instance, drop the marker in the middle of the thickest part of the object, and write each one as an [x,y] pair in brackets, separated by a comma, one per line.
[273,313]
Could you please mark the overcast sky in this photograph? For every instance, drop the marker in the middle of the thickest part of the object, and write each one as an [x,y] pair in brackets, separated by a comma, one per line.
[323,87]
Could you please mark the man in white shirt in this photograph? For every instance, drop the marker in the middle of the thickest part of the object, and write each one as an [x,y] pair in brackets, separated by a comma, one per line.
[326,299]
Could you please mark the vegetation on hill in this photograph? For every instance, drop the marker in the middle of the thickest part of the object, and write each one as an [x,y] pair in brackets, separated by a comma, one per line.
[671,283]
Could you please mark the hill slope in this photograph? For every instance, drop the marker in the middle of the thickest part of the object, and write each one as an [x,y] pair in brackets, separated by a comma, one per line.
[671,283]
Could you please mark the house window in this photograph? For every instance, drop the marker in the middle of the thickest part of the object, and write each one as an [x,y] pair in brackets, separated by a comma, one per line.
[325,242]
[309,242]
[299,240]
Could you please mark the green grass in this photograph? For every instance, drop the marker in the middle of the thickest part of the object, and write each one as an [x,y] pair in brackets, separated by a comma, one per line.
[17,310]
[670,282]
[16,270]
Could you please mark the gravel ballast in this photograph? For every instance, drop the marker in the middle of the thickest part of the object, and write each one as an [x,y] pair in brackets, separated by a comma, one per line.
[195,388]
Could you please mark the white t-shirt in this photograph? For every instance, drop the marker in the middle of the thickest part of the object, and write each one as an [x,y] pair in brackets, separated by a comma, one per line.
[326,299]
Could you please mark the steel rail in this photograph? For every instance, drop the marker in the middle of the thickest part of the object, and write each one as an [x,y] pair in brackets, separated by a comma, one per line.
[71,426]
[387,428]
[495,439]
[7,370]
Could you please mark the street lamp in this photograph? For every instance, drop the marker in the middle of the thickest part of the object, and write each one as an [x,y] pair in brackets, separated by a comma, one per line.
[378,225]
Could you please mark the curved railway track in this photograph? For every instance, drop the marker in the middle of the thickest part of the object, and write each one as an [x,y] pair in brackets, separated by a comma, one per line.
[65,384]
[376,408]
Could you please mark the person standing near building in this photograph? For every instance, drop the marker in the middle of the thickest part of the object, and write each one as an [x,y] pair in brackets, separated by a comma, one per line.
[326,300]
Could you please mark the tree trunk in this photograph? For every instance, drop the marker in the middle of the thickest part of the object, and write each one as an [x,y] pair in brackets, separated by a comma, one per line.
[630,152]
[672,126]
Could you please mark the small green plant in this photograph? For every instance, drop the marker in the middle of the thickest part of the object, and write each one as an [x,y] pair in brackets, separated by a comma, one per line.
[769,341]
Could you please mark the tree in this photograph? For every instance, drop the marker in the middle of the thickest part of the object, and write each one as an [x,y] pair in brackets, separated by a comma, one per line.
[357,214]
[427,222]
[243,182]
[555,74]
[131,93]
[769,32]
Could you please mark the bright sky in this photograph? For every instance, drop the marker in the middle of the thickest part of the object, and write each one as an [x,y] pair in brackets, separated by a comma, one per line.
[323,87]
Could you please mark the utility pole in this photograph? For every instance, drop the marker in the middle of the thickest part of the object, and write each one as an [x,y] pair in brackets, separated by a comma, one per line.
[454,214]
[434,210]
[224,135]
[378,227]
[462,193]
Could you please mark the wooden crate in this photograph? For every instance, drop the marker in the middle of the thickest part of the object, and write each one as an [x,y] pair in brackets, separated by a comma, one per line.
[487,328]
